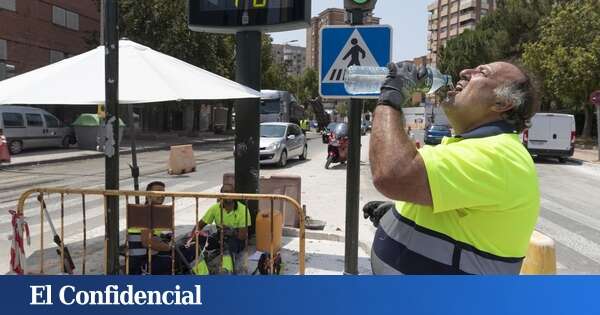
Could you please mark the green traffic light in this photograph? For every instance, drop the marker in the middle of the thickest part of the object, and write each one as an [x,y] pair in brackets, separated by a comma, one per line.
[360,1]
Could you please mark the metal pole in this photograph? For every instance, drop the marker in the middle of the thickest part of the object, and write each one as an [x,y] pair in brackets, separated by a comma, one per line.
[102,21]
[353,176]
[247,118]
[135,170]
[111,68]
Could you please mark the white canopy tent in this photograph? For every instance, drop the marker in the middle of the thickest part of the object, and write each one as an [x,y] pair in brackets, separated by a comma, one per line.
[145,76]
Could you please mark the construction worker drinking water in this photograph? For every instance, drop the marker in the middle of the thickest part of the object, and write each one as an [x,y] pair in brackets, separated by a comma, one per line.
[468,205]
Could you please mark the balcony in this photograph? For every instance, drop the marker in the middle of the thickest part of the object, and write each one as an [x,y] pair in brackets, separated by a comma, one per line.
[432,6]
[470,26]
[468,4]
[467,16]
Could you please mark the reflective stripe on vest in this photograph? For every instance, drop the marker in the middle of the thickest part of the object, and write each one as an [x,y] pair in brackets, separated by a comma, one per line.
[405,247]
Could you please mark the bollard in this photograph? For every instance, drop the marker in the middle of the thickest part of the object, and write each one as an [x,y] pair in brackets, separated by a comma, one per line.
[181,160]
[541,256]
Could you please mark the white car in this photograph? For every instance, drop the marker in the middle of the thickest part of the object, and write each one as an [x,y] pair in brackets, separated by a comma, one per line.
[280,142]
[551,135]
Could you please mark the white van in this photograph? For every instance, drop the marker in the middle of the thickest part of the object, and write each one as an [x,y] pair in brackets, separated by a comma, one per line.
[551,135]
[29,127]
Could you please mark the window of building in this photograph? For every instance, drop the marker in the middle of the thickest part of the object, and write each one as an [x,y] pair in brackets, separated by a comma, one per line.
[34,120]
[444,9]
[443,29]
[13,120]
[10,5]
[56,56]
[65,18]
[72,20]
[3,50]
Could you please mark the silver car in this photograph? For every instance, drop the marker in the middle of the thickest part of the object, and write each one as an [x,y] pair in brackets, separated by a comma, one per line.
[281,141]
[30,127]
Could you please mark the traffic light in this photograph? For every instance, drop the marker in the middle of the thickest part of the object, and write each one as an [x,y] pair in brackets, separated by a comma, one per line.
[364,5]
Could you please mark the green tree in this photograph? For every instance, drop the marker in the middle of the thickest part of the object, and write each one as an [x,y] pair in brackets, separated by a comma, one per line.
[499,35]
[162,25]
[567,55]
[307,85]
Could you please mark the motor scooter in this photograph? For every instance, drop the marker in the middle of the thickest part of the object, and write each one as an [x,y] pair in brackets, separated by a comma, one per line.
[337,149]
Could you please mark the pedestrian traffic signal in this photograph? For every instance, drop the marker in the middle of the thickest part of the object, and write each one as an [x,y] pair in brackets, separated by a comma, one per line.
[365,5]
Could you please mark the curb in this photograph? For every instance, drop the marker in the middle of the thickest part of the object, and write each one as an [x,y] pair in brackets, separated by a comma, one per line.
[126,151]
[100,154]
[323,236]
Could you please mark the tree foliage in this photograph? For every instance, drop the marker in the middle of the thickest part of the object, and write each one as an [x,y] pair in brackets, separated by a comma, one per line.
[567,55]
[499,35]
[162,25]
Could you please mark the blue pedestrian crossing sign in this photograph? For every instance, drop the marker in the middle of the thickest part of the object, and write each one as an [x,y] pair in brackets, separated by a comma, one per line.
[344,46]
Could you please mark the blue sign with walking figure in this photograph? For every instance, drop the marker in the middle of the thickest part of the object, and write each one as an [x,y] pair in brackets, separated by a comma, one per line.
[345,46]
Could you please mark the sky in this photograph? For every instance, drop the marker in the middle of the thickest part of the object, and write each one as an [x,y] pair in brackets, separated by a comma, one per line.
[408,19]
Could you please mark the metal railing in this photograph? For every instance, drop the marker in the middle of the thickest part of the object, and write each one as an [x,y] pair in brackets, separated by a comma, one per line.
[42,192]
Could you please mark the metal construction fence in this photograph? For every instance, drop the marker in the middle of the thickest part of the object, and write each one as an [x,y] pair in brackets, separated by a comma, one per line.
[42,193]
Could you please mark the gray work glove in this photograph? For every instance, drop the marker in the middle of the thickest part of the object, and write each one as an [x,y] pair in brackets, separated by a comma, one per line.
[401,82]
[375,210]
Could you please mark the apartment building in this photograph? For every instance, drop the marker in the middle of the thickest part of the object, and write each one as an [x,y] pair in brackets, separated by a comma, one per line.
[35,33]
[449,18]
[293,58]
[331,16]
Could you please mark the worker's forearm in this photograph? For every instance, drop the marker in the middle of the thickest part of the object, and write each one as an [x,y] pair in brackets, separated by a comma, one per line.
[391,151]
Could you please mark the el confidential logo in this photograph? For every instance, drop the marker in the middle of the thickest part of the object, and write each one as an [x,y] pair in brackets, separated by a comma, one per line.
[114,295]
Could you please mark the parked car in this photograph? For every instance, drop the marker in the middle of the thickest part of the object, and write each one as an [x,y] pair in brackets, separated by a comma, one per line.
[30,127]
[281,141]
[551,135]
[325,133]
[435,133]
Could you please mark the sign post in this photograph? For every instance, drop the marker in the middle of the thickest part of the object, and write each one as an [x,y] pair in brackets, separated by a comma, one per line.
[595,100]
[342,47]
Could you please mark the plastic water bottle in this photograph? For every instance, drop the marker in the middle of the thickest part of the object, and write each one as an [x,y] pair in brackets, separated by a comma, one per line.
[361,80]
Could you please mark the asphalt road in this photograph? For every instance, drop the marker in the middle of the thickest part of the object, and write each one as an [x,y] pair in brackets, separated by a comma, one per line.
[570,204]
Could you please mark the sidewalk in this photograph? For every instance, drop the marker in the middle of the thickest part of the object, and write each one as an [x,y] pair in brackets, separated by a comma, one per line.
[585,155]
[45,156]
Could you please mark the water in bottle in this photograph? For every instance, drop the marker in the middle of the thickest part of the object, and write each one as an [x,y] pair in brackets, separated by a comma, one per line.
[361,80]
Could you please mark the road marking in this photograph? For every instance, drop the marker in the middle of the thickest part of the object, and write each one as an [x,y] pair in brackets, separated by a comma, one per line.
[97,211]
[574,215]
[572,240]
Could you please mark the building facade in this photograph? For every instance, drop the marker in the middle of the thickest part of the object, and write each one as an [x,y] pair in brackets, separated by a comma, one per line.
[331,16]
[449,18]
[35,33]
[292,58]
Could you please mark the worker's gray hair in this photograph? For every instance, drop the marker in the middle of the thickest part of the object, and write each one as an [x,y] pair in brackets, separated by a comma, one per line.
[523,95]
[510,93]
